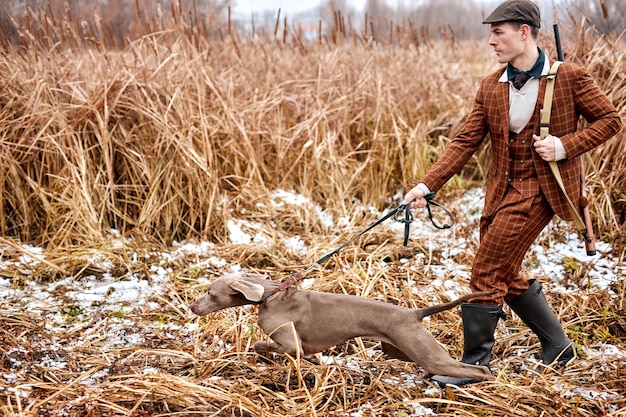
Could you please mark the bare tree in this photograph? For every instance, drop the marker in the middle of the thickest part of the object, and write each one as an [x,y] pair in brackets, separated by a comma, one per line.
[119,19]
[462,18]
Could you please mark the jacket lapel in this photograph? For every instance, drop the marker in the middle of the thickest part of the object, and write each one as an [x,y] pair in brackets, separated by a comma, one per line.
[502,94]
[542,92]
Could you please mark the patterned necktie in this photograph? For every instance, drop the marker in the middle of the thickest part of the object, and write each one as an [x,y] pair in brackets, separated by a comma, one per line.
[520,79]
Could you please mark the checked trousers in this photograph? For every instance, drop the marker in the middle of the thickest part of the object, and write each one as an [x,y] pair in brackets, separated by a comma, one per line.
[505,237]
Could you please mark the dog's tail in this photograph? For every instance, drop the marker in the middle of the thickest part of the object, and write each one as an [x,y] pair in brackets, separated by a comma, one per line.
[438,308]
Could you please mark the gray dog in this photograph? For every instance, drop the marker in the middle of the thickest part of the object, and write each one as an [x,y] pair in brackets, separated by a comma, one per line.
[302,322]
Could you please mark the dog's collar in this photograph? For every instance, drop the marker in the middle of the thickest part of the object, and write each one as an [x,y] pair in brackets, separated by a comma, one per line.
[294,278]
[270,293]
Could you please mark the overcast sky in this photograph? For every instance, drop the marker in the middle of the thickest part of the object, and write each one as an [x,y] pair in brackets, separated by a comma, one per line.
[287,7]
[291,7]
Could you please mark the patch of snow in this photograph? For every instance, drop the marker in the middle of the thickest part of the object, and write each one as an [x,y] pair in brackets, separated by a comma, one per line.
[296,244]
[282,197]
[604,350]
[237,235]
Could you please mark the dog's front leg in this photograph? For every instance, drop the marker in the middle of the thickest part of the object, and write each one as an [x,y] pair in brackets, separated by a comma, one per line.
[285,339]
[265,348]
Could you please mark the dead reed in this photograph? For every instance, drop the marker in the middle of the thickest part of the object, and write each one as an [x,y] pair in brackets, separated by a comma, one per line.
[175,134]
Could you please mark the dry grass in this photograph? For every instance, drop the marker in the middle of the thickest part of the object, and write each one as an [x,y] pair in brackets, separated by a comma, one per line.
[157,359]
[121,137]
[176,134]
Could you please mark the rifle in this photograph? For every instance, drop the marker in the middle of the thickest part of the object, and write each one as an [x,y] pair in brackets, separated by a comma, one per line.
[587,234]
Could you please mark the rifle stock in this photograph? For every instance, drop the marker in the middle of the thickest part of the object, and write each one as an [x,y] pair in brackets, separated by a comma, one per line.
[588,235]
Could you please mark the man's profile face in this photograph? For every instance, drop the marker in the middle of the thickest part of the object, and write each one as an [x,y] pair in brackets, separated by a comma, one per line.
[506,40]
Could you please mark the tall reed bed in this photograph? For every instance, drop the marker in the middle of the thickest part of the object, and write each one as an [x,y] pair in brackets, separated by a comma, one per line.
[162,138]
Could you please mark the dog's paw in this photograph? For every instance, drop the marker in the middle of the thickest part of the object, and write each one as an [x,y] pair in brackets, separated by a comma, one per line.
[268,359]
[314,359]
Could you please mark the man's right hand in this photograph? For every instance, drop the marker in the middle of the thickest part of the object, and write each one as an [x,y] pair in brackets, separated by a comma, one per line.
[417,194]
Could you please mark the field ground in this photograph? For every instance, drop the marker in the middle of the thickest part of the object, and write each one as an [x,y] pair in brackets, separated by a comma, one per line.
[118,339]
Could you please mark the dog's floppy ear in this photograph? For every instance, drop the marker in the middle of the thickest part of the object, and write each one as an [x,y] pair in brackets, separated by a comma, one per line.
[250,290]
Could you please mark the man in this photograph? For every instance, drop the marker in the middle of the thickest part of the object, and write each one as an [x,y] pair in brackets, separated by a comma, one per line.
[522,195]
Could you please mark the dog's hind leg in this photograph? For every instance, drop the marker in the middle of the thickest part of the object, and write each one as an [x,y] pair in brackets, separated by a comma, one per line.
[423,349]
[394,352]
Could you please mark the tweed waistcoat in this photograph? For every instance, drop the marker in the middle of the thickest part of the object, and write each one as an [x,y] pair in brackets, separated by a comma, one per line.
[575,95]
[522,174]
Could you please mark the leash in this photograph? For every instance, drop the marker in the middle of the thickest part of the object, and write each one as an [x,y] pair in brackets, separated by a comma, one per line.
[401,214]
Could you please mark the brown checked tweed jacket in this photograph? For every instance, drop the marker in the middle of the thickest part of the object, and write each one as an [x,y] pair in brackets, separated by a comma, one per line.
[575,95]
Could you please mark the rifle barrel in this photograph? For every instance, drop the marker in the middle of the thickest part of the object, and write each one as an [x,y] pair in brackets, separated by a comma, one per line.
[557,40]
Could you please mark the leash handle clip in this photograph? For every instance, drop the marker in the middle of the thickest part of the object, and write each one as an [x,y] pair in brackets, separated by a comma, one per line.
[407,220]
[408,215]
[403,213]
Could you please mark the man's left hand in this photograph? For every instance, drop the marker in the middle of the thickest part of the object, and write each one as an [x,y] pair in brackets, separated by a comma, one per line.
[545,148]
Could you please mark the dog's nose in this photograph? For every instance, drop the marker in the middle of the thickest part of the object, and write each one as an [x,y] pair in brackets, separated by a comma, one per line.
[193,306]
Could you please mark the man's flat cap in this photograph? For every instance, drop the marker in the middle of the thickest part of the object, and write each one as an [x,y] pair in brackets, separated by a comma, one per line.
[524,11]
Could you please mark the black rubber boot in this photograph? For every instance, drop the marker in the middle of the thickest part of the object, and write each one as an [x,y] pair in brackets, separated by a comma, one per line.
[535,312]
[479,324]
